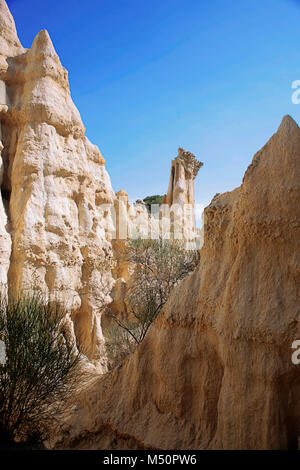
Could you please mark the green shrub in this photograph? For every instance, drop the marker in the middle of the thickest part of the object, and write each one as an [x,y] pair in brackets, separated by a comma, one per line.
[41,367]
[149,200]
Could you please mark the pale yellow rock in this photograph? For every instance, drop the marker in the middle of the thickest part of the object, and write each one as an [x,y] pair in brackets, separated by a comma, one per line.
[174,219]
[184,169]
[5,239]
[215,369]
[58,190]
[180,198]
[10,45]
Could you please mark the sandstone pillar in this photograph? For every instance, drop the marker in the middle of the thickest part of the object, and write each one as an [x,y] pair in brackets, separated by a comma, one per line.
[180,196]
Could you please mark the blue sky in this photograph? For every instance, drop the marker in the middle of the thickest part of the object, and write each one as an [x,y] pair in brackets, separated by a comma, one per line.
[150,76]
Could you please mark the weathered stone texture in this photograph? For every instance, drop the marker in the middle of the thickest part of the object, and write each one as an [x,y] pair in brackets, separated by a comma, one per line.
[215,369]
[54,186]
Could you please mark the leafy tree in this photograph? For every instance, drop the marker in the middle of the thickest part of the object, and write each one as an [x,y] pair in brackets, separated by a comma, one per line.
[149,200]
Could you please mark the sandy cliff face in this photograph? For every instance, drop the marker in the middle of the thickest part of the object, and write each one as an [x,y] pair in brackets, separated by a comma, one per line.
[5,239]
[215,369]
[9,47]
[55,187]
[57,206]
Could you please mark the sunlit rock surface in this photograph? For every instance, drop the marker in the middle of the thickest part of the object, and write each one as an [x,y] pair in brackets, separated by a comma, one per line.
[215,369]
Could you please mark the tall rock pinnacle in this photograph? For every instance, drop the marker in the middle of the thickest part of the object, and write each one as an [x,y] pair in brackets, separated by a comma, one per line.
[53,228]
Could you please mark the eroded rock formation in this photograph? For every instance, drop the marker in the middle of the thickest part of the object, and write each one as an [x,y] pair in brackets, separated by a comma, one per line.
[174,218]
[55,228]
[184,169]
[59,218]
[132,221]
[215,369]
[180,196]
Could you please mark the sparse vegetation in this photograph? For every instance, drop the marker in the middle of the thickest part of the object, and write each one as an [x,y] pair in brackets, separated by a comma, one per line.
[149,200]
[41,368]
[119,343]
[159,266]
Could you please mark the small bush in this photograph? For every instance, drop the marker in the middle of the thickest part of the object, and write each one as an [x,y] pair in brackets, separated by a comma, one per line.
[119,343]
[41,367]
[159,266]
